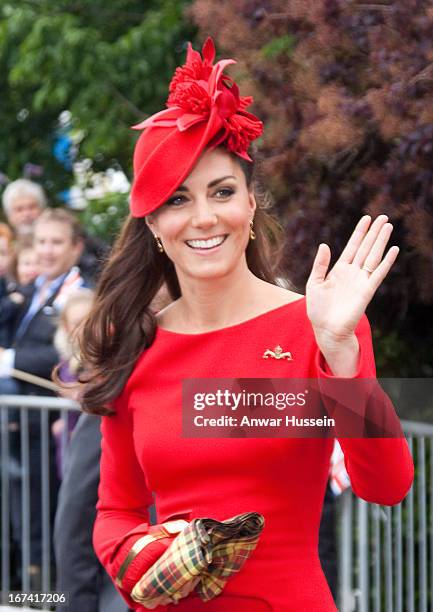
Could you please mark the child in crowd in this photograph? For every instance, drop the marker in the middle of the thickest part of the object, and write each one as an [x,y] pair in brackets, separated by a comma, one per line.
[18,268]
[66,342]
[25,267]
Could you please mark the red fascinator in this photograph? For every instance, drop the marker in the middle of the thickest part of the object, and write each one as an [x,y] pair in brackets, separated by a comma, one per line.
[204,109]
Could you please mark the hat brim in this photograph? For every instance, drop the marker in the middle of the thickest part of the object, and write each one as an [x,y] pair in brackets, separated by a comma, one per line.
[163,158]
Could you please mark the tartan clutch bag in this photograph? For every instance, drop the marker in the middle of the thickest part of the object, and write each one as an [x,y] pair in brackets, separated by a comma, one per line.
[206,551]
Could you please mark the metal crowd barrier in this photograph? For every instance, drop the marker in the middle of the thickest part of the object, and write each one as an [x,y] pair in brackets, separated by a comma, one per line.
[21,470]
[385,554]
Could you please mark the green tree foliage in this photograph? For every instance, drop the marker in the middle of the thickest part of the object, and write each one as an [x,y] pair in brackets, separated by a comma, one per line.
[108,63]
[345,91]
[105,216]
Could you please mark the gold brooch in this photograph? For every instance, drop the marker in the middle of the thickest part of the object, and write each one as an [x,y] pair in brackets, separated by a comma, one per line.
[277,353]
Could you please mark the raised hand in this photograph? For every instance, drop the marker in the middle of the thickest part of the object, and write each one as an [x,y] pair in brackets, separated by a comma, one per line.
[337,300]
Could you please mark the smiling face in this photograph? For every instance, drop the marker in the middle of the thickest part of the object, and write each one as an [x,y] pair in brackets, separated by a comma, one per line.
[204,226]
[55,249]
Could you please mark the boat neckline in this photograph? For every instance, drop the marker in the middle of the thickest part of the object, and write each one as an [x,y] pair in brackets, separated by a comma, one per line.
[262,315]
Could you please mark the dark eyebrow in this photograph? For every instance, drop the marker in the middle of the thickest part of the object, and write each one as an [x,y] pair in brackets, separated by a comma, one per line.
[211,184]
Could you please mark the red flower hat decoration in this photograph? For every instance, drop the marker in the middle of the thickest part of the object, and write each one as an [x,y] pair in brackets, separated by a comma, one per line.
[204,109]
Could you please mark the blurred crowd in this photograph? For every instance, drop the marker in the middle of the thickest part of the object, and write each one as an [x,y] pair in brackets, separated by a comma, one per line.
[48,266]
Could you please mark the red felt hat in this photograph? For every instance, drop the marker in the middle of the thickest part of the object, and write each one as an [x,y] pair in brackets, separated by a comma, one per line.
[204,109]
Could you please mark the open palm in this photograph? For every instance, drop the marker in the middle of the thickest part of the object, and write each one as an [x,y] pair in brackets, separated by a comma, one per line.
[337,300]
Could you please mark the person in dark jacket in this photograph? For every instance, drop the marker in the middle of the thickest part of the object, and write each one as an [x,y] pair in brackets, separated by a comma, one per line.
[79,571]
[8,311]
[58,244]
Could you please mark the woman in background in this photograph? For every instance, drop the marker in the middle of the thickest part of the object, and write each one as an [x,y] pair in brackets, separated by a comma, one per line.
[71,319]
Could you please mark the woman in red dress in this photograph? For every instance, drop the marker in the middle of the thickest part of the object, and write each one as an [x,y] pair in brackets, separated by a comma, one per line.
[197,226]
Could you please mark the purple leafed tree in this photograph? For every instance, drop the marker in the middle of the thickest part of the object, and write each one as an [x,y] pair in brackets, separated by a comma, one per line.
[345,91]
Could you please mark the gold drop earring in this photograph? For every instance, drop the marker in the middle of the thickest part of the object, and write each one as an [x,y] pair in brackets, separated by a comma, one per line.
[252,232]
[158,244]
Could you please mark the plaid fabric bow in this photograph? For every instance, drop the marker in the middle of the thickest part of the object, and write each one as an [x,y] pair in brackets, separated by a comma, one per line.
[207,550]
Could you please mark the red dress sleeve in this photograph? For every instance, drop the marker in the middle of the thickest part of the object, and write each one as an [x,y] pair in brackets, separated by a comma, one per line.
[380,468]
[122,508]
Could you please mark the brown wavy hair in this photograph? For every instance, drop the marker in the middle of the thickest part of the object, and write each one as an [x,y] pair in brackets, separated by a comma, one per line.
[121,324]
